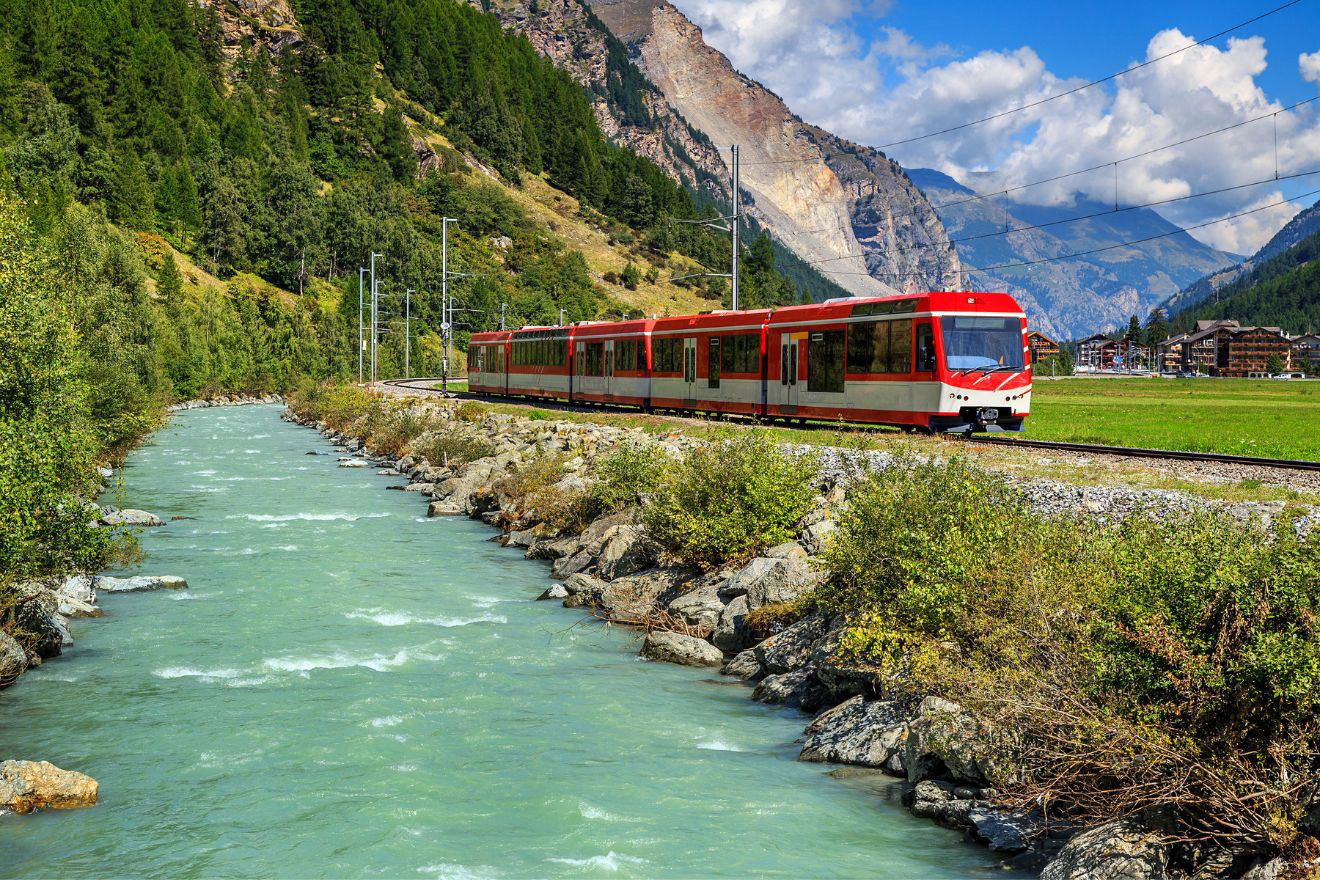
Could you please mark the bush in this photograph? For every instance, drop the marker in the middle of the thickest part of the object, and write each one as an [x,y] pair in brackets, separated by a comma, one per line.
[470,411]
[392,426]
[725,501]
[1167,664]
[628,474]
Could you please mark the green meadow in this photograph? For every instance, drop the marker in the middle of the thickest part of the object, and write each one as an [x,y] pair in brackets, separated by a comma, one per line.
[1271,418]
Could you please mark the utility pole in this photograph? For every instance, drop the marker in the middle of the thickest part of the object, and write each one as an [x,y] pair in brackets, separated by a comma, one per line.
[502,317]
[561,317]
[374,302]
[362,343]
[734,225]
[445,326]
[407,333]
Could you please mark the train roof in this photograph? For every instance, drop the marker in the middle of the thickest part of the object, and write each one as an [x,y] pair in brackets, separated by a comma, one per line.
[612,328]
[727,319]
[939,301]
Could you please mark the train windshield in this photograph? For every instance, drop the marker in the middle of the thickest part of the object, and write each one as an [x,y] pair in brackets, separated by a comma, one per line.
[975,342]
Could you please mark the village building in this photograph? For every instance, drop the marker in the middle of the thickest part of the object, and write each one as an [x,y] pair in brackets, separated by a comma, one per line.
[1042,347]
[1304,354]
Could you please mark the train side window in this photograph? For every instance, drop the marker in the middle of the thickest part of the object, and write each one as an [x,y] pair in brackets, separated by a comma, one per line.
[713,362]
[825,361]
[868,347]
[728,353]
[900,346]
[783,364]
[925,349]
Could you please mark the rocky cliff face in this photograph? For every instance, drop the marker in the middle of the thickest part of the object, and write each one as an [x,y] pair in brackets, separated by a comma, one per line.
[847,209]
[247,23]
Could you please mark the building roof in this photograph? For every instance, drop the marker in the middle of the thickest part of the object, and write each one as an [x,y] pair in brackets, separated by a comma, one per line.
[1042,336]
[1211,323]
[1095,337]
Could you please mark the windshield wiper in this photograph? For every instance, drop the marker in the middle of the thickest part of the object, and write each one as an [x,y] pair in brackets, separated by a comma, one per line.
[1005,369]
[971,370]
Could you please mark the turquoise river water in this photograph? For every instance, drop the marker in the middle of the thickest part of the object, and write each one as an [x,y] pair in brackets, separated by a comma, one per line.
[350,689]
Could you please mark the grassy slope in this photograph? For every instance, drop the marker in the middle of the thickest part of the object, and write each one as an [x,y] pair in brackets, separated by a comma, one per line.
[1236,416]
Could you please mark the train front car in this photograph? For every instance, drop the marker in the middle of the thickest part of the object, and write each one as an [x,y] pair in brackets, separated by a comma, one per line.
[930,362]
[983,363]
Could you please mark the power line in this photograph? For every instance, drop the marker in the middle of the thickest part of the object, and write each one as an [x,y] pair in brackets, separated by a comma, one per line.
[1091,216]
[1063,94]
[1093,250]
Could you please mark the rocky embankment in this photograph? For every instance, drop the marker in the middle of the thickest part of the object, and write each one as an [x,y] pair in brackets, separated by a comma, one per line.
[612,569]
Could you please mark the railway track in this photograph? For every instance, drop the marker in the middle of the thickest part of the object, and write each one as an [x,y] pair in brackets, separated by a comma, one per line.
[1058,446]
[1139,452]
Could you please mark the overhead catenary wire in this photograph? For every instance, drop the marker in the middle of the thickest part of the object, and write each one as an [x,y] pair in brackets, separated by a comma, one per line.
[953,203]
[1105,213]
[1086,253]
[1042,101]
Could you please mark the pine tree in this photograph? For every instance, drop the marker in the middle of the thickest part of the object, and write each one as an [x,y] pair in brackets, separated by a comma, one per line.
[169,288]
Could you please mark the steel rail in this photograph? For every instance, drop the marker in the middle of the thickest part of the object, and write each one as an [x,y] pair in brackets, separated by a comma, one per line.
[1091,448]
[1141,452]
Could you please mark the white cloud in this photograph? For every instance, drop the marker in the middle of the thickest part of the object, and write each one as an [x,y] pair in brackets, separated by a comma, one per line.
[894,88]
[1309,65]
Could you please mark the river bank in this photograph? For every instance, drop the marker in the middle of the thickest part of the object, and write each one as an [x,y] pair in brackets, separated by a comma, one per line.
[611,568]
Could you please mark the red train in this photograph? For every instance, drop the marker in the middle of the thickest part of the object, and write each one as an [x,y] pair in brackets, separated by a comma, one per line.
[955,362]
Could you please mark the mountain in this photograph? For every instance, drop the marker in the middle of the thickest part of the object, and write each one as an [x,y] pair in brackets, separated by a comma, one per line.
[844,208]
[1282,290]
[1306,222]
[1074,297]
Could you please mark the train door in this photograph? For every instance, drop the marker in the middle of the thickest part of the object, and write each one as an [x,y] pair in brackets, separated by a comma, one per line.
[609,367]
[690,367]
[788,371]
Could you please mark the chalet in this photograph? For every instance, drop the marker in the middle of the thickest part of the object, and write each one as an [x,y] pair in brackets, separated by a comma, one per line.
[1169,354]
[1305,354]
[1096,352]
[1042,347]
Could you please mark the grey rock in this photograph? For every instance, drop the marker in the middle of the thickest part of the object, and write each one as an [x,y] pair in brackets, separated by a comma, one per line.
[934,800]
[35,610]
[790,649]
[944,740]
[798,689]
[423,488]
[353,463]
[444,508]
[554,591]
[627,552]
[816,536]
[744,665]
[787,550]
[765,580]
[1120,850]
[567,565]
[700,607]
[13,659]
[672,647]
[731,633]
[869,734]
[1274,869]
[140,583]
[130,517]
[583,583]
[1001,830]
[635,595]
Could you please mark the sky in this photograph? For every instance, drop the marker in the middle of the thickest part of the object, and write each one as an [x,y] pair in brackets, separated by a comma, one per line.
[881,71]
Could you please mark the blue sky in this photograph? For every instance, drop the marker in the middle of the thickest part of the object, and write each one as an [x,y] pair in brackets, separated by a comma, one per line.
[876,71]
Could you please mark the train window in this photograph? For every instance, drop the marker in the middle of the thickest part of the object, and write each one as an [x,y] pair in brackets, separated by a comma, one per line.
[925,349]
[595,361]
[825,361]
[900,346]
[713,362]
[668,355]
[973,342]
[905,305]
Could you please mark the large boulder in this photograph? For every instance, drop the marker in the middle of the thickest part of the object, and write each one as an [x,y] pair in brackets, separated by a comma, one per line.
[699,606]
[627,551]
[798,689]
[76,597]
[791,648]
[731,634]
[13,659]
[815,537]
[130,517]
[765,580]
[31,785]
[934,800]
[140,583]
[1002,830]
[36,612]
[744,666]
[1120,850]
[944,740]
[637,594]
[672,647]
[869,734]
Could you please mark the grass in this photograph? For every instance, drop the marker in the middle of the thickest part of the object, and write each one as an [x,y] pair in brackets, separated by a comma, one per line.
[1234,416]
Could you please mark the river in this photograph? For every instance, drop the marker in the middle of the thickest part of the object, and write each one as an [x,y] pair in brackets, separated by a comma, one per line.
[351,689]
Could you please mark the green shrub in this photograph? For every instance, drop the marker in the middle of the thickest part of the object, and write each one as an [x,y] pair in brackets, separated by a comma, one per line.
[773,617]
[394,425]
[725,501]
[1160,664]
[469,411]
[630,472]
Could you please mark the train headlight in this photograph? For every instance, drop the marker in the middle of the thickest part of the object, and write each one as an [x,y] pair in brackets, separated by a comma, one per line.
[988,414]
